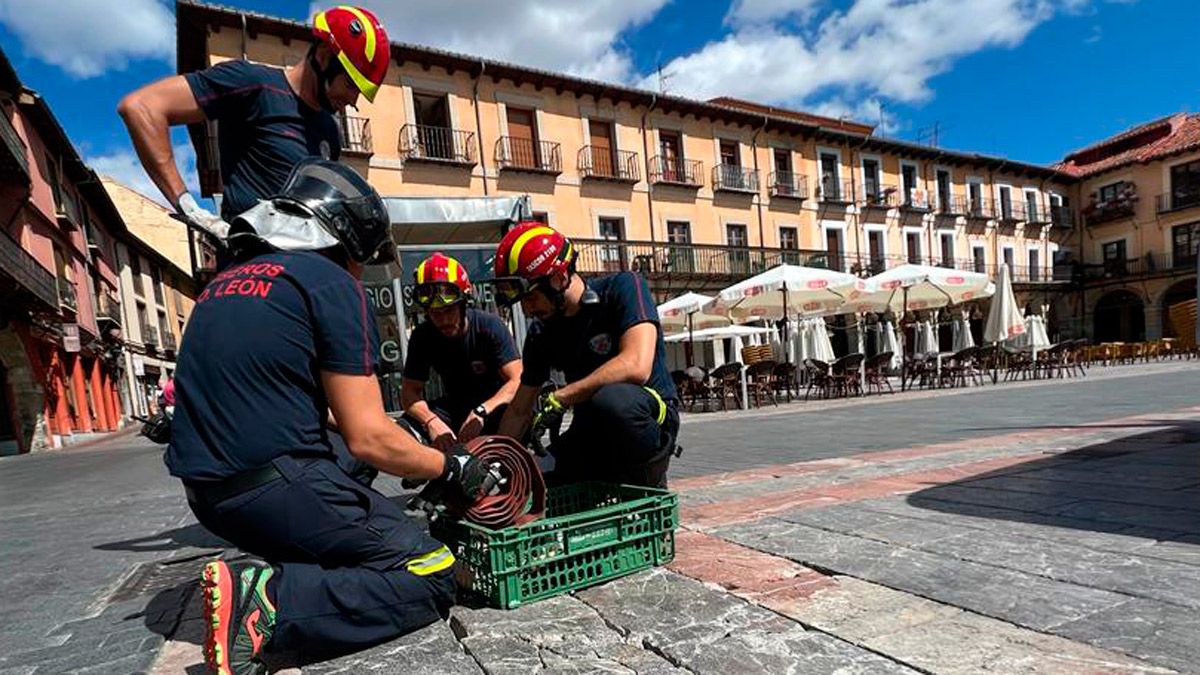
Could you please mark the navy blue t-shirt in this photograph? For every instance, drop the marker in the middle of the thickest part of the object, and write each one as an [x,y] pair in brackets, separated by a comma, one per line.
[468,365]
[264,129]
[248,386]
[578,345]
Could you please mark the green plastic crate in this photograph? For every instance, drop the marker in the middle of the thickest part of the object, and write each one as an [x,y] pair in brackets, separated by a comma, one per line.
[592,532]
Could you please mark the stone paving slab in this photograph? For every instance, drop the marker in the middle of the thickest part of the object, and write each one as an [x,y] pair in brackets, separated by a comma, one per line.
[1167,635]
[432,650]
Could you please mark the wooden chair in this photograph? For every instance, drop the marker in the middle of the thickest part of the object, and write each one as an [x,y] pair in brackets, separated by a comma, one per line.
[961,367]
[760,382]
[726,382]
[843,375]
[875,370]
[817,373]
[785,380]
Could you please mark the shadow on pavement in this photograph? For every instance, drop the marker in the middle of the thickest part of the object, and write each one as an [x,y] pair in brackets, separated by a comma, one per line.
[1145,485]
[188,536]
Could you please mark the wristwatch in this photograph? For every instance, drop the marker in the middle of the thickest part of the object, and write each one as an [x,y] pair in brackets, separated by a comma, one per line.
[481,411]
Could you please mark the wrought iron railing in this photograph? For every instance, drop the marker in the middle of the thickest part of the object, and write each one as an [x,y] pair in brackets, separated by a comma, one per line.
[1062,216]
[676,171]
[880,197]
[356,134]
[420,142]
[788,184]
[952,206]
[608,164]
[1178,199]
[733,178]
[915,199]
[525,154]
[1036,214]
[980,208]
[1010,212]
[658,259]
[832,192]
[1115,209]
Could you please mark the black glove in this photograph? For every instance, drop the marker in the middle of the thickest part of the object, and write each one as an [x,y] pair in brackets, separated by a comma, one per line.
[467,473]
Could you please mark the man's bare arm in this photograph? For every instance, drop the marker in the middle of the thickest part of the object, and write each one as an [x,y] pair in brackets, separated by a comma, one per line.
[149,114]
[371,435]
[632,364]
[516,419]
[510,374]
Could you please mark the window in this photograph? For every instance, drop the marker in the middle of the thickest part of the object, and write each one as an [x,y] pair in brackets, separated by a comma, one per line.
[55,186]
[735,237]
[1113,254]
[144,323]
[1035,264]
[830,179]
[156,282]
[912,246]
[178,302]
[603,149]
[729,153]
[975,192]
[875,248]
[943,188]
[908,182]
[612,256]
[1108,193]
[1184,241]
[789,238]
[1009,259]
[979,256]
[833,249]
[163,328]
[730,173]
[783,161]
[541,217]
[1185,185]
[679,254]
[947,241]
[522,138]
[871,187]
[670,148]
[785,182]
[135,269]
[1032,213]
[1006,202]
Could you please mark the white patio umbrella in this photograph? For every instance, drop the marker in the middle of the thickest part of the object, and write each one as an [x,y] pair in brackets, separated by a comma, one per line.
[891,344]
[716,333]
[690,311]
[927,342]
[961,330]
[790,290]
[1004,320]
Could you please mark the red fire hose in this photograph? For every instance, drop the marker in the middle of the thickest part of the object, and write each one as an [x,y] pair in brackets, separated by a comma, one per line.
[521,499]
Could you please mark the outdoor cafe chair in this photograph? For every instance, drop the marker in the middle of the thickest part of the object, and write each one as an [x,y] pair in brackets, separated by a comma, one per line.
[726,383]
[875,370]
[784,378]
[843,375]
[759,382]
[818,377]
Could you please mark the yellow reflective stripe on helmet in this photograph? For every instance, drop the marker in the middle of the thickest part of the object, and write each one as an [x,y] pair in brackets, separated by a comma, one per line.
[514,254]
[368,28]
[662,405]
[367,87]
[434,561]
[452,270]
[320,22]
[420,272]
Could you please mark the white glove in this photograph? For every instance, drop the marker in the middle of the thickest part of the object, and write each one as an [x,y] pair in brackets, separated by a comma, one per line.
[202,218]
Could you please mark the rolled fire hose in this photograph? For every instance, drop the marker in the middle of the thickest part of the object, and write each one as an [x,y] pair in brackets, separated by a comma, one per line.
[522,497]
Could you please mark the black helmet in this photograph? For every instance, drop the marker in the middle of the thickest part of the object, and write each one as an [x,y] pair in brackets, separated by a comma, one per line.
[345,205]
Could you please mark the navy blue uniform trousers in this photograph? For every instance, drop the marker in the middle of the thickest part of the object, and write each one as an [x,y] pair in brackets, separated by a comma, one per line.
[352,570]
[616,437]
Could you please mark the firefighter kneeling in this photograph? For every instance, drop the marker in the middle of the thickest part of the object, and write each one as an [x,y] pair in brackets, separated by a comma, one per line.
[604,335]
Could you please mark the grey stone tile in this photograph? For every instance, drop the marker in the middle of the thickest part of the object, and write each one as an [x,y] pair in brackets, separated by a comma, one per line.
[429,651]
[1187,522]
[1007,499]
[1158,633]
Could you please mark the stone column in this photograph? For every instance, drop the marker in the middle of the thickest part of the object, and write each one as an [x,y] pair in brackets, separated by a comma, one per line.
[99,397]
[81,401]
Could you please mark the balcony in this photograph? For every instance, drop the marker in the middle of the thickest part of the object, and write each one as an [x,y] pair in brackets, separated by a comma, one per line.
[169,343]
[831,192]
[980,209]
[96,241]
[26,272]
[952,206]
[356,135]
[1010,213]
[916,201]
[733,178]
[788,185]
[1037,215]
[1062,216]
[606,164]
[882,197]
[66,208]
[437,145]
[150,336]
[687,173]
[14,158]
[108,310]
[524,155]
[694,262]
[68,300]
[1180,198]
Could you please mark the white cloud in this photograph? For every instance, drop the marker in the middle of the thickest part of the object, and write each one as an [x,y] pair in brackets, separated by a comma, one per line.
[750,12]
[88,37]
[124,167]
[573,37]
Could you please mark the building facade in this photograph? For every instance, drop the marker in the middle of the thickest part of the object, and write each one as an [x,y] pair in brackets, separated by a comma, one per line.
[60,326]
[157,295]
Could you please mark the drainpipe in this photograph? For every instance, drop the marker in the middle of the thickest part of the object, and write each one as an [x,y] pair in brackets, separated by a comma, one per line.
[479,122]
[244,31]
[854,197]
[646,161]
[762,242]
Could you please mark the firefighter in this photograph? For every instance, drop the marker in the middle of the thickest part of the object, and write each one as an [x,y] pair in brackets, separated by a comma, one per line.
[471,350]
[270,118]
[273,342]
[603,334]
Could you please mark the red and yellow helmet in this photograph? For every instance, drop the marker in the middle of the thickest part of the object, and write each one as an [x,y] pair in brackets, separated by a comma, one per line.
[528,254]
[360,43]
[441,281]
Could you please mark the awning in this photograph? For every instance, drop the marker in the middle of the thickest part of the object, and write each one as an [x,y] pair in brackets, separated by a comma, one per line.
[425,221]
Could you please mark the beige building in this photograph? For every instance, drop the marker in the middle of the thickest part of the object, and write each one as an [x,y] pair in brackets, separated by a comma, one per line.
[693,194]
[157,294]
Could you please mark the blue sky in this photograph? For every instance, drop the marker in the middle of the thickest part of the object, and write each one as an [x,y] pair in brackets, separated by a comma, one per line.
[1028,79]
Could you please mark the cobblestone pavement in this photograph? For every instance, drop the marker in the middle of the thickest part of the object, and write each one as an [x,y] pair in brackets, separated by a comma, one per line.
[1050,528]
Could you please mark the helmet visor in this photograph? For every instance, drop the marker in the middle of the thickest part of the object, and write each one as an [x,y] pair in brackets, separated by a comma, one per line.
[436,295]
[510,290]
